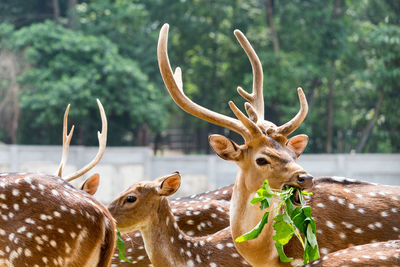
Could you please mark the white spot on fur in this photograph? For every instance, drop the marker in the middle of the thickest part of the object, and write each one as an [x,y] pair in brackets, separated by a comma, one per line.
[29,220]
[220,246]
[358,231]
[384,214]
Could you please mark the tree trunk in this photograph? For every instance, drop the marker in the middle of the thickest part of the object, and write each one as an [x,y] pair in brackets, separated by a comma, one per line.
[329,126]
[367,131]
[9,103]
[331,100]
[270,22]
[311,95]
[56,11]
[72,15]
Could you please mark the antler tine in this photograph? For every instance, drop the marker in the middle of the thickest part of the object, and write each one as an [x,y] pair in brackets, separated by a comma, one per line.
[174,86]
[294,123]
[102,146]
[178,78]
[66,141]
[247,122]
[256,98]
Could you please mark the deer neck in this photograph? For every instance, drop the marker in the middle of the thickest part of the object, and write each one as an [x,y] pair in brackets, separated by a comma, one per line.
[162,237]
[244,217]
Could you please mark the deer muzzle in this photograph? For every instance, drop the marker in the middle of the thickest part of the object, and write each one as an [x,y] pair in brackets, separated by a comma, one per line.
[305,180]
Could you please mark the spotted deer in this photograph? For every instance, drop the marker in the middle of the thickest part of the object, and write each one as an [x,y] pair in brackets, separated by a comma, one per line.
[197,215]
[144,207]
[45,221]
[382,254]
[347,212]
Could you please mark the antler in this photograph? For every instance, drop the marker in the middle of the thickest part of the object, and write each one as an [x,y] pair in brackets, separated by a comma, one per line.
[294,123]
[256,98]
[66,141]
[248,127]
[173,82]
[102,146]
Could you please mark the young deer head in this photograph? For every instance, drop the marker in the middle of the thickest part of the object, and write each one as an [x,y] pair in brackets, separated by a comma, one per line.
[144,207]
[197,215]
[48,222]
[268,154]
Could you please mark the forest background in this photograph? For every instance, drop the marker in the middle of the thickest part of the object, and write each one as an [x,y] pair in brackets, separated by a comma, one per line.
[345,54]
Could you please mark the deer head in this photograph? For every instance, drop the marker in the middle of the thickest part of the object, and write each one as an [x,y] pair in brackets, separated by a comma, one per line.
[134,208]
[144,207]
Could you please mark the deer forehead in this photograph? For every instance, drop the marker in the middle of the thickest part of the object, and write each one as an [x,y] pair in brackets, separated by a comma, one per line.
[271,148]
[140,189]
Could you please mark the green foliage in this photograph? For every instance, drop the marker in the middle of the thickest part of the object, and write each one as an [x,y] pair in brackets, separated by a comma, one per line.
[349,46]
[289,221]
[65,66]
[121,247]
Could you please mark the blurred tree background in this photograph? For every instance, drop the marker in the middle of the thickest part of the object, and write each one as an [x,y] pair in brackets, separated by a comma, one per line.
[344,53]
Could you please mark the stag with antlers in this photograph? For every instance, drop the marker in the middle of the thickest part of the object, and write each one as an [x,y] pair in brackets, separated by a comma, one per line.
[48,222]
[347,212]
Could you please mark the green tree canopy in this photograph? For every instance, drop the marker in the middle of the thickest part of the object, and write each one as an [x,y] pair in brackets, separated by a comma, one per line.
[65,66]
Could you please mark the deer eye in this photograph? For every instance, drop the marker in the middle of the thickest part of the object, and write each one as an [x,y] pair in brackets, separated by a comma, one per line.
[131,199]
[262,161]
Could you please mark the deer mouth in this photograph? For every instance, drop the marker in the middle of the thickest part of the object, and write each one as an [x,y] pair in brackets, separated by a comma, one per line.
[295,198]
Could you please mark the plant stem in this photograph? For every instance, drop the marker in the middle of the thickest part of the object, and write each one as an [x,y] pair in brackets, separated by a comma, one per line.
[299,237]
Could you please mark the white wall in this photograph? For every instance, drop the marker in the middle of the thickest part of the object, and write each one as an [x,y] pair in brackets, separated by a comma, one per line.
[123,166]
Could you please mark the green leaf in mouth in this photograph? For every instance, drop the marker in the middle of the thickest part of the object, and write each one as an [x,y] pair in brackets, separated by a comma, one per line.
[291,220]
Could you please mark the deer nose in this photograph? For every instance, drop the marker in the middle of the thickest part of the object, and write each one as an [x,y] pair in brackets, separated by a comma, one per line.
[305,180]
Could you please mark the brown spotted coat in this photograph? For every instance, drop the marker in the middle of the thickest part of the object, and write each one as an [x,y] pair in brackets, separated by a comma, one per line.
[47,222]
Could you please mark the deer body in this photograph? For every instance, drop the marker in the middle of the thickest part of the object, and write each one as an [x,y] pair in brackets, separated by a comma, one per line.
[268,153]
[353,213]
[165,243]
[47,222]
[382,254]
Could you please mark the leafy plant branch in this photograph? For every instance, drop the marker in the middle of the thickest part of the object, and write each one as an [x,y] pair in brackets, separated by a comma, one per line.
[290,220]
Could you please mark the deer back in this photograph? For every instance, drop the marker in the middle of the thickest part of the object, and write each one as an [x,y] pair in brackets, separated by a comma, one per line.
[383,254]
[48,222]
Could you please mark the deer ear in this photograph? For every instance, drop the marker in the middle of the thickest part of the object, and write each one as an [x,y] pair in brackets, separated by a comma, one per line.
[224,147]
[297,144]
[91,184]
[169,184]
